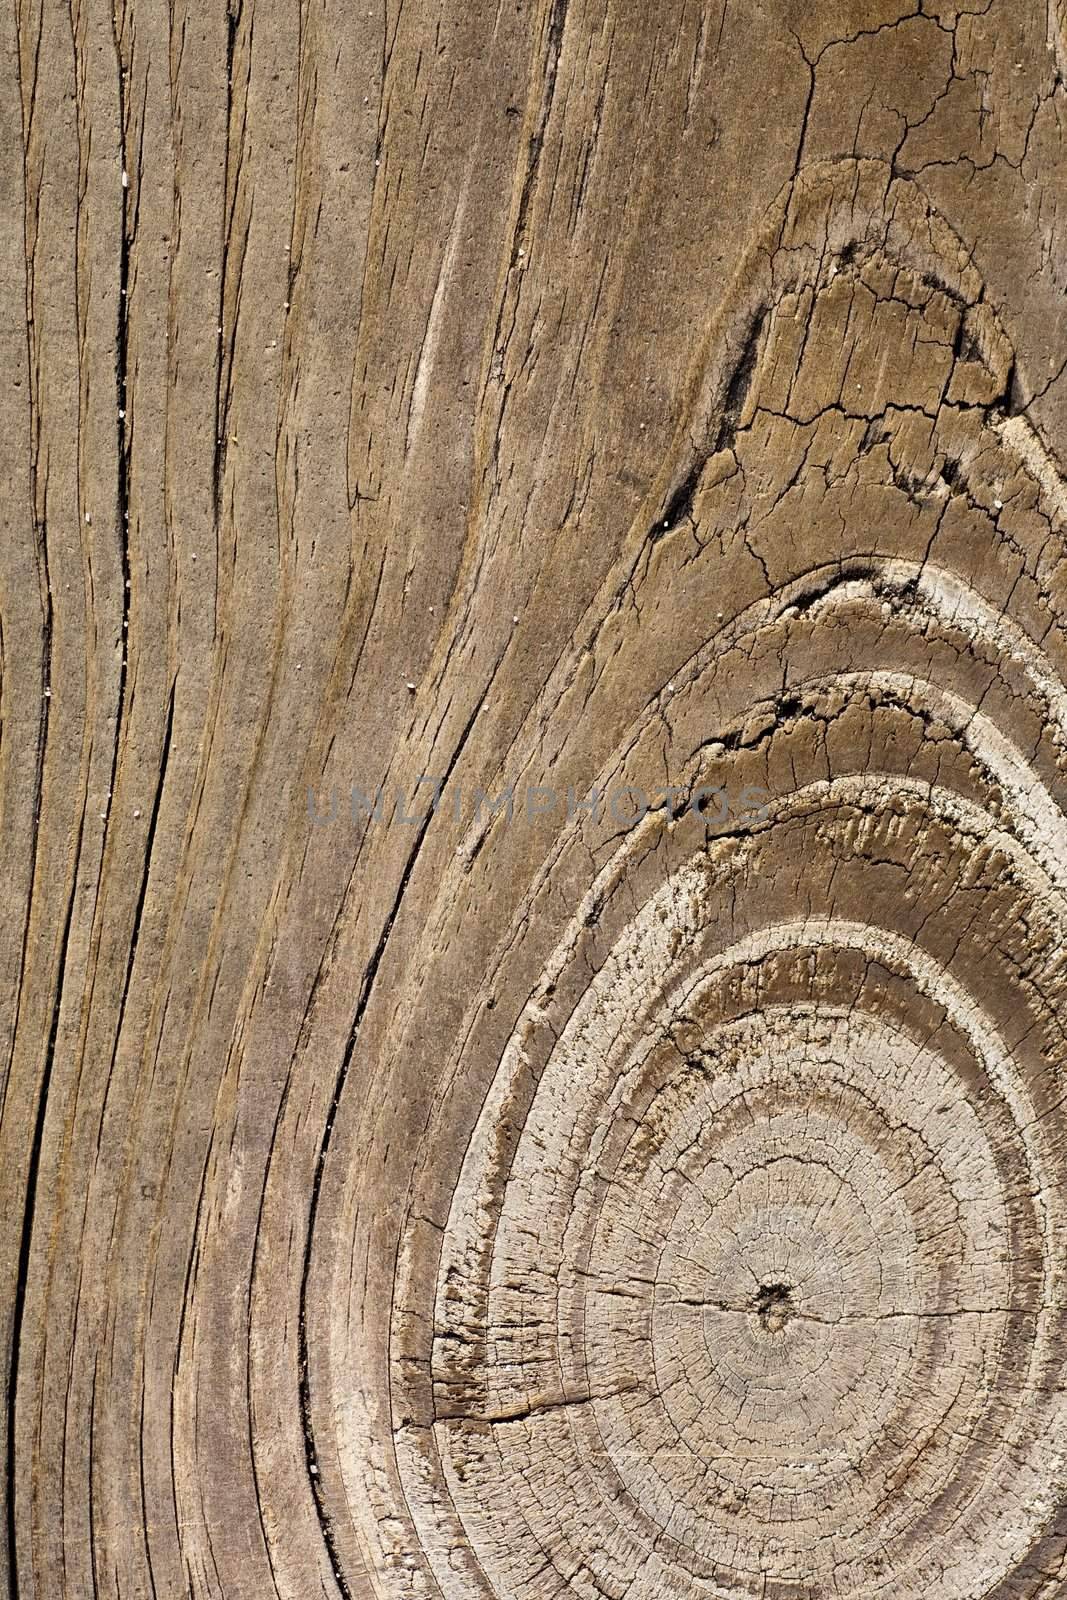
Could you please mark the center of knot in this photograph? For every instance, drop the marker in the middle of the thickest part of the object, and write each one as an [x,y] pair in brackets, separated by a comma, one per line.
[774,1306]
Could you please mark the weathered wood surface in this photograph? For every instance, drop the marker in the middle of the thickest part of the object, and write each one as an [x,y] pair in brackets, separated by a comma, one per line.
[550,395]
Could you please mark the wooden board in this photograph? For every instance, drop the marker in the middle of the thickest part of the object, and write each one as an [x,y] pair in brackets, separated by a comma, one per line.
[533,682]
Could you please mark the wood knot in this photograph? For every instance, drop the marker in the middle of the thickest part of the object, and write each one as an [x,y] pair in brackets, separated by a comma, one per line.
[774,1306]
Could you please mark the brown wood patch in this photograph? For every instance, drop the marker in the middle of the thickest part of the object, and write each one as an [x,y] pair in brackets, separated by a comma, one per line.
[533,764]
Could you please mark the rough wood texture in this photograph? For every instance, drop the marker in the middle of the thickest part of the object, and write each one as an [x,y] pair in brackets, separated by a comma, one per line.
[565,396]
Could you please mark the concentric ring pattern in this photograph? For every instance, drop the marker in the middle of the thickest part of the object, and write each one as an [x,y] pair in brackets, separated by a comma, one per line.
[747,1277]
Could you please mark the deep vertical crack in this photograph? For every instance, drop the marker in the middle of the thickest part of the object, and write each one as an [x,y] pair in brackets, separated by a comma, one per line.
[371,973]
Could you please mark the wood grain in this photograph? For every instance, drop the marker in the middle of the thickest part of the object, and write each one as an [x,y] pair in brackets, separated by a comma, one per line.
[422,1175]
